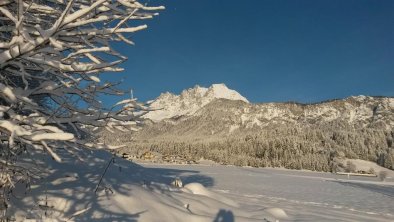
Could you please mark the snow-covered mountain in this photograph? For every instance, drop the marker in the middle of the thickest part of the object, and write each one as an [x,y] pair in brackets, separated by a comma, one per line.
[201,112]
[200,124]
[219,103]
[169,105]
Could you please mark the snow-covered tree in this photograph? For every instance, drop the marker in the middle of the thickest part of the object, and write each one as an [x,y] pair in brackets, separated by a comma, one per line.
[51,55]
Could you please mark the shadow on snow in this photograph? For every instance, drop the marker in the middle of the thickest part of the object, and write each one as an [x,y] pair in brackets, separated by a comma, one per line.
[75,181]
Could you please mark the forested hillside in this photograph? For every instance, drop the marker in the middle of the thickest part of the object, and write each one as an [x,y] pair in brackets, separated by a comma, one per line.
[290,135]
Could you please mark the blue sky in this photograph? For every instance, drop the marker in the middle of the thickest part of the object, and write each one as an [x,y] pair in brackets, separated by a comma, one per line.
[276,50]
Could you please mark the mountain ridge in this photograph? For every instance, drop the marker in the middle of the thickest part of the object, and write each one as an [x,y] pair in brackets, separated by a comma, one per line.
[223,117]
[231,114]
[191,100]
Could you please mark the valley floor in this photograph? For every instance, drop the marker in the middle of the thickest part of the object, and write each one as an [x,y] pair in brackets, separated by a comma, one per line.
[305,196]
[142,192]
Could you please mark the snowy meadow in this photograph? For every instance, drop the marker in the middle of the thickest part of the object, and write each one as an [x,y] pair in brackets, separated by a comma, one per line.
[74,191]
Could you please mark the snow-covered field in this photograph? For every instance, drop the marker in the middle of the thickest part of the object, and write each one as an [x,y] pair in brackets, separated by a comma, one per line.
[305,196]
[142,192]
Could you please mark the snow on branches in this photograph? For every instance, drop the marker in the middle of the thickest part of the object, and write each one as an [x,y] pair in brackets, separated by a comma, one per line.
[51,55]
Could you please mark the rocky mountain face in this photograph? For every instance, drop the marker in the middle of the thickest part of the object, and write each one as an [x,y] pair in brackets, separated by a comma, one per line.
[168,105]
[219,124]
[201,113]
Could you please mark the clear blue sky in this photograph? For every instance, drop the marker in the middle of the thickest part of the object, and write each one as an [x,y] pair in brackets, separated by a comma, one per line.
[276,50]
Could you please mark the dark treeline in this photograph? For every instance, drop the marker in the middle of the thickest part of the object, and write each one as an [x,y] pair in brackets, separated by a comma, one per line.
[290,147]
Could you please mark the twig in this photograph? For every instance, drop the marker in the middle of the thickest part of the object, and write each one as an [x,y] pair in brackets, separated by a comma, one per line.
[102,175]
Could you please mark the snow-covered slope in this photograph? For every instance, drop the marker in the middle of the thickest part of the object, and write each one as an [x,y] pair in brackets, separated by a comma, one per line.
[224,117]
[230,111]
[168,105]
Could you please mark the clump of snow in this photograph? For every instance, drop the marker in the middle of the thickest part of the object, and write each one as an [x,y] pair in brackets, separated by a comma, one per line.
[7,92]
[52,136]
[277,213]
[199,189]
[168,105]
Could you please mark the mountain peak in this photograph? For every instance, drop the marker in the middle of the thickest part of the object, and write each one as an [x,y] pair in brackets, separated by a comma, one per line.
[169,105]
[220,91]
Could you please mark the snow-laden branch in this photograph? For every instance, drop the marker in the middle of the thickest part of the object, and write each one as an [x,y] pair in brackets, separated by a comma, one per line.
[52,54]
